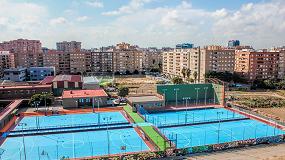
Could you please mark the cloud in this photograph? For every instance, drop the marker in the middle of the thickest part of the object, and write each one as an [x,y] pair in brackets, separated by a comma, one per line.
[95,4]
[58,21]
[82,18]
[133,6]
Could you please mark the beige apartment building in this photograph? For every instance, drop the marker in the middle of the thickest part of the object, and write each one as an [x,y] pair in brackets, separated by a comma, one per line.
[101,61]
[80,62]
[202,61]
[152,58]
[257,64]
[127,58]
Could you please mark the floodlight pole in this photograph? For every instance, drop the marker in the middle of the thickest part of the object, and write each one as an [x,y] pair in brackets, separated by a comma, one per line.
[24,146]
[164,94]
[219,118]
[206,89]
[176,90]
[197,92]
[108,136]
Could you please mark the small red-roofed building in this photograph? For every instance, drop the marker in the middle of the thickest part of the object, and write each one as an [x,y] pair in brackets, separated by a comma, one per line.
[63,82]
[84,98]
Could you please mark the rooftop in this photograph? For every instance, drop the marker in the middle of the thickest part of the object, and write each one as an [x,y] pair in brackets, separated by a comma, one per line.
[24,87]
[90,80]
[84,93]
[138,99]
[69,78]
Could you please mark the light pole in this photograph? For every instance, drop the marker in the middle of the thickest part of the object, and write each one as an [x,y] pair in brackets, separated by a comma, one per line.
[219,118]
[186,99]
[24,146]
[98,106]
[45,95]
[164,94]
[107,119]
[214,94]
[176,90]
[197,94]
[206,90]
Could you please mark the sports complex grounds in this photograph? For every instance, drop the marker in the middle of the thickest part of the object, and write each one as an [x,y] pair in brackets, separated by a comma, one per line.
[181,127]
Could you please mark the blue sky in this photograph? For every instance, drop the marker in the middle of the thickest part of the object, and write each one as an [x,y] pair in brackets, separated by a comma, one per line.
[260,23]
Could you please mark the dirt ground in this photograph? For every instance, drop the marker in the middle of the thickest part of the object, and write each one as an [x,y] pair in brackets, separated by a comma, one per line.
[279,112]
[261,152]
[142,85]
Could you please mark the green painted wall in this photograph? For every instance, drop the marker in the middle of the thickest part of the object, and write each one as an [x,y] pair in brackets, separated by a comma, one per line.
[212,92]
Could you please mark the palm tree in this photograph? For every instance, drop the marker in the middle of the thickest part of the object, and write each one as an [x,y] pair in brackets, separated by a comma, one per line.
[188,73]
[183,71]
[195,74]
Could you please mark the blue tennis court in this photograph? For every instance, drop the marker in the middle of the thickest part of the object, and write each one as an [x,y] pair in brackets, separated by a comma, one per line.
[190,116]
[71,119]
[214,133]
[73,145]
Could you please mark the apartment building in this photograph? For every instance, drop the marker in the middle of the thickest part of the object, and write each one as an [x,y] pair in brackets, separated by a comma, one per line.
[68,46]
[80,62]
[6,61]
[177,59]
[102,61]
[127,58]
[218,59]
[15,74]
[27,53]
[152,58]
[257,64]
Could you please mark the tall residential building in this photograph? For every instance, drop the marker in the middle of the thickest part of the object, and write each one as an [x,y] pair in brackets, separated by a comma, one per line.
[233,43]
[80,62]
[51,59]
[102,61]
[152,58]
[68,46]
[127,58]
[218,59]
[6,61]
[257,64]
[281,62]
[174,61]
[28,53]
[201,61]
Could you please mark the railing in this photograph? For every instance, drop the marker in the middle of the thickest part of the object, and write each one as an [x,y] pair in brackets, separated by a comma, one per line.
[258,115]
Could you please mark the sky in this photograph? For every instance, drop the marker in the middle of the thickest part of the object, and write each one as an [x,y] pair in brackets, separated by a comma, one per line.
[147,23]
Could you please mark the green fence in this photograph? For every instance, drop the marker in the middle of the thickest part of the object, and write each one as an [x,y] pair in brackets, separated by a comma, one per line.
[192,94]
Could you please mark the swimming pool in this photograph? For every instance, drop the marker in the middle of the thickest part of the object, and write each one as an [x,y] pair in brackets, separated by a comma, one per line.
[71,119]
[73,145]
[190,116]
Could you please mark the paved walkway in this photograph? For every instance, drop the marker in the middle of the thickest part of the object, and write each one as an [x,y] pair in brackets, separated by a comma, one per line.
[260,152]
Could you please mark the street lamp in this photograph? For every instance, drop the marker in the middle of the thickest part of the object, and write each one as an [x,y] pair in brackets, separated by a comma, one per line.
[24,146]
[176,90]
[45,95]
[206,89]
[107,119]
[214,94]
[197,92]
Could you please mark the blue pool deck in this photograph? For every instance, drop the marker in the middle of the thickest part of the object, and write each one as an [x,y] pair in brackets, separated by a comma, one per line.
[73,145]
[71,119]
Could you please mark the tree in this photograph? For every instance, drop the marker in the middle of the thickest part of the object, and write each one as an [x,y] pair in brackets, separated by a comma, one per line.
[183,71]
[128,72]
[123,91]
[188,73]
[191,80]
[136,72]
[41,98]
[177,80]
[195,74]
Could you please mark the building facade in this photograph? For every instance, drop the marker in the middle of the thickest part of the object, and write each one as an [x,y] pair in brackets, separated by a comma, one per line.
[257,64]
[102,61]
[127,59]
[15,74]
[39,73]
[7,60]
[65,46]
